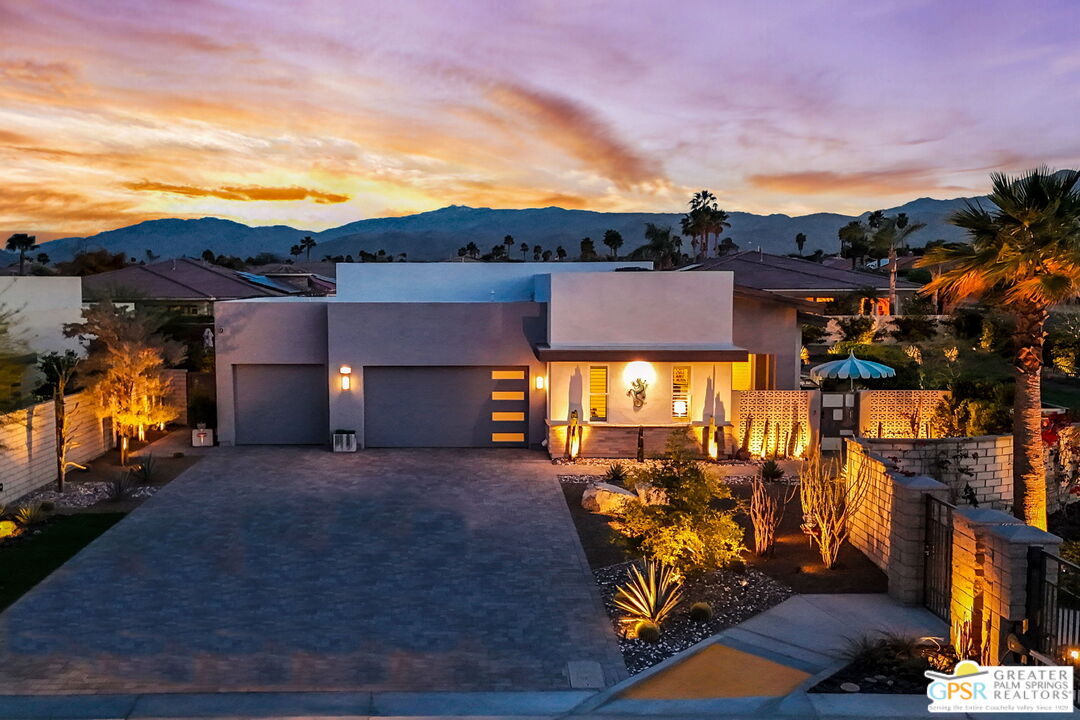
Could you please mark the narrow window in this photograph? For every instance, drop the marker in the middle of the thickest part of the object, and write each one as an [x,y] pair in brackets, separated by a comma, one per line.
[598,387]
[741,378]
[680,392]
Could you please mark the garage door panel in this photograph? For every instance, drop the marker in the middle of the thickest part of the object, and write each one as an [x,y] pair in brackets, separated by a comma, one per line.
[445,406]
[281,404]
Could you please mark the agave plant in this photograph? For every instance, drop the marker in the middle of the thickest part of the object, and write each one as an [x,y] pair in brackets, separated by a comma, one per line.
[650,596]
[30,515]
[122,486]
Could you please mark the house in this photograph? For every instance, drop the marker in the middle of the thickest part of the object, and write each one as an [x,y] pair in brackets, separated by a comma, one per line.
[184,286]
[807,280]
[500,355]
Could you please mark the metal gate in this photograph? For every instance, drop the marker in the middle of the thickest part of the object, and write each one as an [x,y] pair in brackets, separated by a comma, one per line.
[937,567]
[1053,607]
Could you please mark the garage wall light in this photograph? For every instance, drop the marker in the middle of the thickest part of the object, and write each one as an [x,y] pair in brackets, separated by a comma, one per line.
[346,377]
[539,382]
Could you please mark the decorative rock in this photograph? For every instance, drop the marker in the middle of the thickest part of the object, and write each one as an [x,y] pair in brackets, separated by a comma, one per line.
[605,499]
[850,687]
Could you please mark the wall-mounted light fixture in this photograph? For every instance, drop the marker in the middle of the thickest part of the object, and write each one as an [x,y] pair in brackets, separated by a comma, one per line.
[638,375]
[346,377]
[539,382]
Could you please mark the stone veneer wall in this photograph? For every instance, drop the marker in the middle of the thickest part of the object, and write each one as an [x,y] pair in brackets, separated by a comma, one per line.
[605,441]
[28,444]
[889,525]
[897,413]
[984,463]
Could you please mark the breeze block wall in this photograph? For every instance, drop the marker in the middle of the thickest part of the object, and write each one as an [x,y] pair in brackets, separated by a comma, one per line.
[28,444]
[773,420]
[889,525]
[984,463]
[897,413]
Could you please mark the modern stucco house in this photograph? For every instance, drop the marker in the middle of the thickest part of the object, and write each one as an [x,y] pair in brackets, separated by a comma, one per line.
[499,355]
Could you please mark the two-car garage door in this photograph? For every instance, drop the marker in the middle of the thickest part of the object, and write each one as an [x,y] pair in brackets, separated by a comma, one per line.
[445,406]
[403,406]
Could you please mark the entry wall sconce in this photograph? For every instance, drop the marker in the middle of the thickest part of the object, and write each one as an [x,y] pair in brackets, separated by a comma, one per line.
[346,377]
[638,375]
[539,382]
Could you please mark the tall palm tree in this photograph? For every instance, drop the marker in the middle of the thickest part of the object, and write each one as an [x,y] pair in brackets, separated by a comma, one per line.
[889,235]
[22,244]
[1024,257]
[613,239]
[524,248]
[662,247]
[538,252]
[800,242]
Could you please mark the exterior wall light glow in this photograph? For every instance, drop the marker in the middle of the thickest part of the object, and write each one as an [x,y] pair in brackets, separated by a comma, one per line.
[346,377]
[638,375]
[679,406]
[539,382]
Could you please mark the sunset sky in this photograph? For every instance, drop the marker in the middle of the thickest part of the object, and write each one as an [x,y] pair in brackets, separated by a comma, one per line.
[314,113]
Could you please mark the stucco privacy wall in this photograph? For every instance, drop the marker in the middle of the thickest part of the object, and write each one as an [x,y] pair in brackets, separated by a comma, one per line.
[431,334]
[42,306]
[455,282]
[984,463]
[265,331]
[768,327]
[28,444]
[897,413]
[634,309]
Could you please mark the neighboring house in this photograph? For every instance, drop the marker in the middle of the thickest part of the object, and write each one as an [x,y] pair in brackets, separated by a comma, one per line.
[499,355]
[184,286]
[807,280]
[309,278]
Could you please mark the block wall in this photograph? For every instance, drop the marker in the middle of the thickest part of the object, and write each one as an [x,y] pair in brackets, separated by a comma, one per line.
[897,413]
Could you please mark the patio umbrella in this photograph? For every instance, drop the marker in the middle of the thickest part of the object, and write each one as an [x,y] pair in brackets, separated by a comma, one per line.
[850,368]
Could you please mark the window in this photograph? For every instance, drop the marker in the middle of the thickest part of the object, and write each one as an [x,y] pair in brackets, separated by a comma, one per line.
[757,373]
[598,387]
[741,375]
[680,392]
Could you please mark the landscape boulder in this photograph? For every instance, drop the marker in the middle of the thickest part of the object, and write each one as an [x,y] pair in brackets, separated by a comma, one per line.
[605,499]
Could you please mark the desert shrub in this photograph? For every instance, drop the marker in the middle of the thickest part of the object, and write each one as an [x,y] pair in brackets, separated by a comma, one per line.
[616,474]
[771,471]
[769,498]
[889,654]
[121,487]
[844,304]
[913,328]
[812,334]
[145,471]
[31,515]
[647,632]
[693,529]
[701,612]
[973,408]
[1063,342]
[829,499]
[857,329]
[650,596]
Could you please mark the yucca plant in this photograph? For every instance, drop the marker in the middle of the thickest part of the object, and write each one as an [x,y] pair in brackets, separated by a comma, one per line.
[30,515]
[651,596]
[121,487]
[616,474]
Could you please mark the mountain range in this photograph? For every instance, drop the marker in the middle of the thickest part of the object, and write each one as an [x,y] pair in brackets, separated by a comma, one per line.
[436,235]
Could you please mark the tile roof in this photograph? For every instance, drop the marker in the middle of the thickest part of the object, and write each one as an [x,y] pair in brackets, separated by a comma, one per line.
[181,279]
[778,273]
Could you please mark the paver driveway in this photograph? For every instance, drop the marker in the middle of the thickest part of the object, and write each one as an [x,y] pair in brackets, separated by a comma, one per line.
[298,569]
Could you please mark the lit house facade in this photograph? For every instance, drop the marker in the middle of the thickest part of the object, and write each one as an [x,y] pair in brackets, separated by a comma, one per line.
[589,358]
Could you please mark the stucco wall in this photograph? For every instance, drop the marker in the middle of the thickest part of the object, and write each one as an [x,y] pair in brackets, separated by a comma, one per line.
[710,393]
[431,334]
[770,328]
[28,444]
[676,309]
[454,282]
[253,331]
[43,305]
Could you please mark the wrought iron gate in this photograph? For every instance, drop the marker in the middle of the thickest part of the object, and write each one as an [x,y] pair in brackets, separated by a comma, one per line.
[1053,607]
[937,566]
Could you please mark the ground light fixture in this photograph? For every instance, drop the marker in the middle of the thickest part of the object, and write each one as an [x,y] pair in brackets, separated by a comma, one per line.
[346,377]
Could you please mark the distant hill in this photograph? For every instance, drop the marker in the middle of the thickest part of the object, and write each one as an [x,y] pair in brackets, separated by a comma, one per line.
[437,234]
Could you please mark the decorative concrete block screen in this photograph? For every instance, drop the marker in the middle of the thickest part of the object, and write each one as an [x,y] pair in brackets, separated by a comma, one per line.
[781,422]
[28,444]
[982,463]
[897,413]
[889,525]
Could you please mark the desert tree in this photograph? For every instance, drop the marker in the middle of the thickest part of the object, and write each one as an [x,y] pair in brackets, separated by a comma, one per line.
[588,250]
[829,498]
[59,370]
[124,368]
[1023,258]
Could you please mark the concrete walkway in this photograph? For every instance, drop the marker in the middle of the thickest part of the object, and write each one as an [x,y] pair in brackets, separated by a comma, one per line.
[298,570]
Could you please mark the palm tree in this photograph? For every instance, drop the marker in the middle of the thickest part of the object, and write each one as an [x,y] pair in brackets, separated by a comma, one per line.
[716,221]
[546,256]
[890,234]
[800,242]
[307,244]
[524,248]
[538,252]
[1024,257]
[22,244]
[472,250]
[613,239]
[662,247]
[508,241]
[560,252]
[853,241]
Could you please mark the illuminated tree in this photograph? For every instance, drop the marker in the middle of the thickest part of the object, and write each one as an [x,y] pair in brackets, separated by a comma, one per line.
[126,359]
[59,370]
[1023,257]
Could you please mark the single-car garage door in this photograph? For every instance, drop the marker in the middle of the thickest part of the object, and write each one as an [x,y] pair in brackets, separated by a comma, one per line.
[446,406]
[281,404]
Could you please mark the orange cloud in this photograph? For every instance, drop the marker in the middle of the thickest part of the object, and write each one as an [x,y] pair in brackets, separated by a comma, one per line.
[580,133]
[243,193]
[870,182]
[30,76]
[38,210]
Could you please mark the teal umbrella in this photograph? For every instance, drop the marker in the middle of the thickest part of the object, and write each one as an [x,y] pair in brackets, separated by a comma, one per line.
[850,368]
